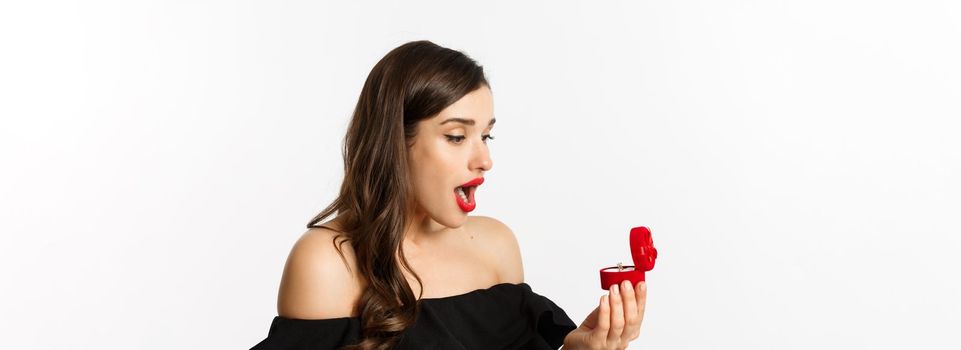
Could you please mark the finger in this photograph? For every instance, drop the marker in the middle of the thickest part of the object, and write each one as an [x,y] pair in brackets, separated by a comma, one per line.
[603,319]
[630,312]
[617,315]
[641,301]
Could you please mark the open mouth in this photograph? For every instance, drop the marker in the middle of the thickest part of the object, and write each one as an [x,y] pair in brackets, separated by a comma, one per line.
[464,194]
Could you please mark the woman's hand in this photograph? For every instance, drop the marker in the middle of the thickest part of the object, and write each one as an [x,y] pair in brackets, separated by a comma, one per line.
[614,323]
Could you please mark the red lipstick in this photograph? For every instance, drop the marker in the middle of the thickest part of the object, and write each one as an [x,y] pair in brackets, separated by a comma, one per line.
[474,182]
[470,187]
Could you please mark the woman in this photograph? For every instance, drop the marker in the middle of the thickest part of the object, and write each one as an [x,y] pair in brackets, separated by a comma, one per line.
[417,272]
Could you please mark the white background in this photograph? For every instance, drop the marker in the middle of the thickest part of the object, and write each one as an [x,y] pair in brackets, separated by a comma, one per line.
[797,161]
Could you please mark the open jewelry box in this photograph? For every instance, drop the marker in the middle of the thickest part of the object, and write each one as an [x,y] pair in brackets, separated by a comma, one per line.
[643,253]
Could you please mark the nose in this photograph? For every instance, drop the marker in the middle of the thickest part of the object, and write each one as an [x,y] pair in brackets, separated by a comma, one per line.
[481,158]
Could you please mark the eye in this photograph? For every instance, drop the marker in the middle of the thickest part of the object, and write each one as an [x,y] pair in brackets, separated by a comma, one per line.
[456,139]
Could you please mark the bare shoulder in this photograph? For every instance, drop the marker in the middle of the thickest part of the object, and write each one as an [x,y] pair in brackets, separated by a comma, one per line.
[502,248]
[317,282]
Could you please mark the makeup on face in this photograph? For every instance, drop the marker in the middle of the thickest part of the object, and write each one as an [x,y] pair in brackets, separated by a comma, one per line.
[454,153]
[464,194]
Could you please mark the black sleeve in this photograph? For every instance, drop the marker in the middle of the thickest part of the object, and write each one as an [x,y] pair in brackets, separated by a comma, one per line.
[290,334]
[551,322]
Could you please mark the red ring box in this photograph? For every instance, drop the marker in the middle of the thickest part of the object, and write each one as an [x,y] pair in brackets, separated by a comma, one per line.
[643,253]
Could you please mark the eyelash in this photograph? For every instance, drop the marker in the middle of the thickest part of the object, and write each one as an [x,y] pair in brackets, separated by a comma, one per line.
[459,138]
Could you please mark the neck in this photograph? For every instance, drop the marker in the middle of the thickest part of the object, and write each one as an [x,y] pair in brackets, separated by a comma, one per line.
[421,229]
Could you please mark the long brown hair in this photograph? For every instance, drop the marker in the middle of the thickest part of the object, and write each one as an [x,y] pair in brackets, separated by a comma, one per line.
[414,81]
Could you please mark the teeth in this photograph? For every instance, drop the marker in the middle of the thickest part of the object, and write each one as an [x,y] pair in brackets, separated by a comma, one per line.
[460,191]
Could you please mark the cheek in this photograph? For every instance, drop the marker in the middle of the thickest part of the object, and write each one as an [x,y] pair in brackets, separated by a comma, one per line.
[429,173]
[433,172]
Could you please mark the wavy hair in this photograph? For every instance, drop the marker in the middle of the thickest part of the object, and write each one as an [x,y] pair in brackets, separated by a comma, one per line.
[412,82]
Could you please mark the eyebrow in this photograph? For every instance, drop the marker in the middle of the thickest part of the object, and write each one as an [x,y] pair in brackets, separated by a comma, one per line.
[466,121]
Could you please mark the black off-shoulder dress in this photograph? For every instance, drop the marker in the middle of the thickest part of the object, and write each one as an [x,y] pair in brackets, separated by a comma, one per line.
[504,316]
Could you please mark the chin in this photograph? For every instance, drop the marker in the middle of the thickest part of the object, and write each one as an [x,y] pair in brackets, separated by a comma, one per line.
[455,221]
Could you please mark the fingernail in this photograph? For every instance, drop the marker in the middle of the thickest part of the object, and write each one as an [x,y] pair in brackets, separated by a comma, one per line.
[615,290]
[626,284]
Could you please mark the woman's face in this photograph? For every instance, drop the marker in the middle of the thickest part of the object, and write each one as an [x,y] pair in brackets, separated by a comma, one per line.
[450,150]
